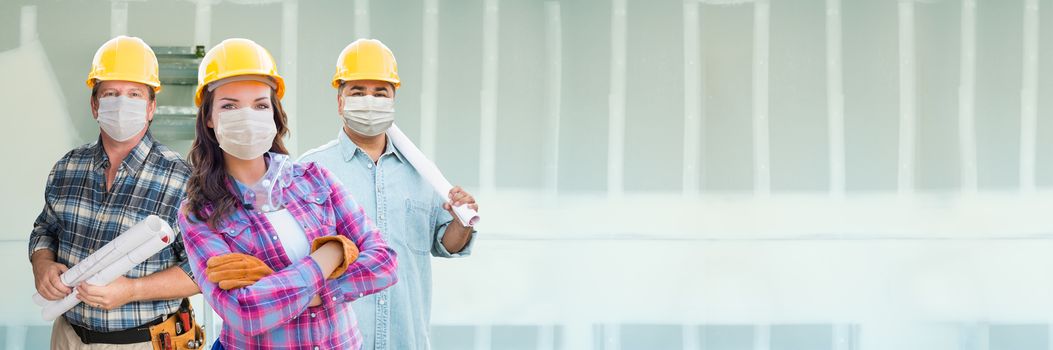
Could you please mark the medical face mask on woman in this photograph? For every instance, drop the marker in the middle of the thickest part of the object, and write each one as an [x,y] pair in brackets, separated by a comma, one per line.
[122,117]
[246,133]
[368,115]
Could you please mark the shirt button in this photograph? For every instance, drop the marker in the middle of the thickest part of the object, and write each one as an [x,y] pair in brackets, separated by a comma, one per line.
[381,216]
[334,298]
[312,315]
[316,348]
[382,302]
[274,238]
[370,165]
[266,182]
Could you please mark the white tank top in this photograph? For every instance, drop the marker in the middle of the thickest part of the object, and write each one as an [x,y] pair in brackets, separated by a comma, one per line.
[292,236]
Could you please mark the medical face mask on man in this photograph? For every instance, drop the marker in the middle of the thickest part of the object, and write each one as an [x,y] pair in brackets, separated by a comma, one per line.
[368,115]
[122,117]
[246,133]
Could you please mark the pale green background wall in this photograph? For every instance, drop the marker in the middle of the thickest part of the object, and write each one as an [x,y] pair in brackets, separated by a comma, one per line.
[47,105]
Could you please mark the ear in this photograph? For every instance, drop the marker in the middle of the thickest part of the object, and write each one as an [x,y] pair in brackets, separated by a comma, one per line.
[150,109]
[94,102]
[339,101]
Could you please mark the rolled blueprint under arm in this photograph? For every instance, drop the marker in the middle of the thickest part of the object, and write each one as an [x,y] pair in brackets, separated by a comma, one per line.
[427,169]
[134,237]
[160,239]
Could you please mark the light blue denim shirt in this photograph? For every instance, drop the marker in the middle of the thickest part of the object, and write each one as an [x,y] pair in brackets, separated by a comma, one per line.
[410,217]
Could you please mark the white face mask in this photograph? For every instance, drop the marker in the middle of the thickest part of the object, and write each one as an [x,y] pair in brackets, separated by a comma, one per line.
[122,117]
[368,115]
[246,133]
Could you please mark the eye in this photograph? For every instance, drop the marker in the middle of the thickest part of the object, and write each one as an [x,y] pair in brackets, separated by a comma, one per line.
[263,106]
[109,94]
[380,94]
[229,106]
[135,94]
[357,94]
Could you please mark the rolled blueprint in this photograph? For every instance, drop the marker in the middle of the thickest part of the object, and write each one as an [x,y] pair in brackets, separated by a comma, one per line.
[135,236]
[427,169]
[159,238]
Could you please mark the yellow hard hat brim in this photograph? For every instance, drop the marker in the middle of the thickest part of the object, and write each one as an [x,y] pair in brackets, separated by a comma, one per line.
[337,82]
[279,92]
[92,81]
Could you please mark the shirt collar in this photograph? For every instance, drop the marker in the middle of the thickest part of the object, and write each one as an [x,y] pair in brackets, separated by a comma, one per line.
[135,159]
[281,179]
[349,149]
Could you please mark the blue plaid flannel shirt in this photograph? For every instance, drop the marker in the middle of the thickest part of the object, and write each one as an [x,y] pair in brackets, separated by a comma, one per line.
[80,216]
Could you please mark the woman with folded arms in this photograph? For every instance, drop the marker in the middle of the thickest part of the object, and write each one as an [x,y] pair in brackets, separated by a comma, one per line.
[279,249]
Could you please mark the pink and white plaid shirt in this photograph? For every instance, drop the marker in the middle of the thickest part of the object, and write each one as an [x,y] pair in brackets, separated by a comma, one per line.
[273,312]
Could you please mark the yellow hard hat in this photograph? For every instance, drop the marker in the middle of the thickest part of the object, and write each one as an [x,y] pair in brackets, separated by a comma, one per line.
[125,58]
[234,57]
[366,59]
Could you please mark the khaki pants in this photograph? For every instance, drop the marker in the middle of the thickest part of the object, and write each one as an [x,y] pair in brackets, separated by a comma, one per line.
[64,338]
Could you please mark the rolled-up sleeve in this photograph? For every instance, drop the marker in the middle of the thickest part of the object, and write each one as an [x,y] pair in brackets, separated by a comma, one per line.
[178,188]
[46,227]
[443,220]
[179,248]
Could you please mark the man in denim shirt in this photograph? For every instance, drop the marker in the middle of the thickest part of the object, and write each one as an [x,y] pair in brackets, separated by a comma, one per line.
[414,220]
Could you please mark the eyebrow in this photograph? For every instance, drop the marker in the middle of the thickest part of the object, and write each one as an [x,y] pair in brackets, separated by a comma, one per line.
[359,87]
[236,100]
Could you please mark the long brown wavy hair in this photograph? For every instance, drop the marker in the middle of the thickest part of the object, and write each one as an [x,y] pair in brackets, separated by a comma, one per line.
[208,184]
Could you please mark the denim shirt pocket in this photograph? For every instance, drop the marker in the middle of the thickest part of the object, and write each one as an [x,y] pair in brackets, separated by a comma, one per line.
[418,228]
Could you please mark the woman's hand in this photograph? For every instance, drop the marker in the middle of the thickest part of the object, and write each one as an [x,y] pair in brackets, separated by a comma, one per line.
[348,252]
[236,270]
[329,256]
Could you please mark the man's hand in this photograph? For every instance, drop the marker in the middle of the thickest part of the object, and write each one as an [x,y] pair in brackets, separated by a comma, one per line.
[457,235]
[46,275]
[458,197]
[114,295]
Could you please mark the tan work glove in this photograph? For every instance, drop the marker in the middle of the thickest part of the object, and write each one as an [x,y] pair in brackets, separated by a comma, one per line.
[236,270]
[350,252]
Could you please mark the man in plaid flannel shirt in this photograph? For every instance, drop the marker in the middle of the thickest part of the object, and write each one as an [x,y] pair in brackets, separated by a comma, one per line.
[99,190]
